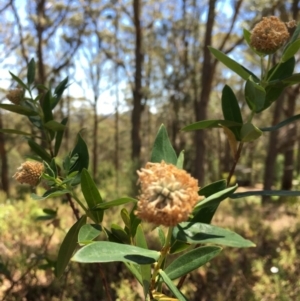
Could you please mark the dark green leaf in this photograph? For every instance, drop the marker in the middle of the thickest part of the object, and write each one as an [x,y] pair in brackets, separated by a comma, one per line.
[205,124]
[18,109]
[213,188]
[80,152]
[39,150]
[19,81]
[255,96]
[31,72]
[88,233]
[59,136]
[206,209]
[290,80]
[250,132]
[196,233]
[104,251]
[290,51]
[162,148]
[178,246]
[231,110]
[12,131]
[59,90]
[91,195]
[172,286]
[46,105]
[134,221]
[231,64]
[265,193]
[114,203]
[119,233]
[191,260]
[281,124]
[68,247]
[293,38]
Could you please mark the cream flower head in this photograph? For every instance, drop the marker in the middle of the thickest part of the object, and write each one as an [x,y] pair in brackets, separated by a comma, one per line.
[168,194]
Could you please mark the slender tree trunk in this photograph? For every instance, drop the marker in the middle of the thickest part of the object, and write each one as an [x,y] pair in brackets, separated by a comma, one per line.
[137,90]
[202,102]
[4,161]
[272,151]
[95,140]
[288,167]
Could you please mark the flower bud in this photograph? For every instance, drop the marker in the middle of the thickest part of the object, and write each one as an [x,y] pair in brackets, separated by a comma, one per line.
[15,95]
[29,173]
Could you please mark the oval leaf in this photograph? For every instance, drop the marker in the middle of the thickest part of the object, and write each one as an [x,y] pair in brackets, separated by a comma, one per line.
[88,233]
[290,51]
[206,124]
[203,233]
[250,132]
[104,251]
[265,193]
[191,260]
[68,247]
[18,109]
[162,148]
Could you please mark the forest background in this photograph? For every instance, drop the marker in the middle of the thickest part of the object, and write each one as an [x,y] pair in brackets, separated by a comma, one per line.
[133,65]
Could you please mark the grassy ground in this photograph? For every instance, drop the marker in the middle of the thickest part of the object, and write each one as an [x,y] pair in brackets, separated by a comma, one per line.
[270,271]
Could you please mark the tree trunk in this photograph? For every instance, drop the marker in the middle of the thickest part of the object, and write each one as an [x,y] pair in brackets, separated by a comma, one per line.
[4,161]
[272,151]
[202,102]
[288,167]
[137,90]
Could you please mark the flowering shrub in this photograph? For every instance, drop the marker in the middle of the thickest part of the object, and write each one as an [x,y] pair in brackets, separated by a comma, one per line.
[169,197]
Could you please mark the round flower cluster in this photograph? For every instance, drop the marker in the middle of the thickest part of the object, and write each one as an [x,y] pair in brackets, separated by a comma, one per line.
[168,194]
[29,173]
[15,95]
[270,34]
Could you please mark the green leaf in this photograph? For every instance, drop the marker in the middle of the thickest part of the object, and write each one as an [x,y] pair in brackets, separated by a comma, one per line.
[191,261]
[290,80]
[46,106]
[134,221]
[290,51]
[54,126]
[216,198]
[104,251]
[162,148]
[161,236]
[59,137]
[39,150]
[18,109]
[196,233]
[247,36]
[19,81]
[212,188]
[265,193]
[88,233]
[205,124]
[80,152]
[172,286]
[114,203]
[231,110]
[134,269]
[281,124]
[31,72]
[206,209]
[51,193]
[293,38]
[12,131]
[231,64]
[120,234]
[145,269]
[91,195]
[250,132]
[59,90]
[178,246]
[180,160]
[255,96]
[125,217]
[68,247]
